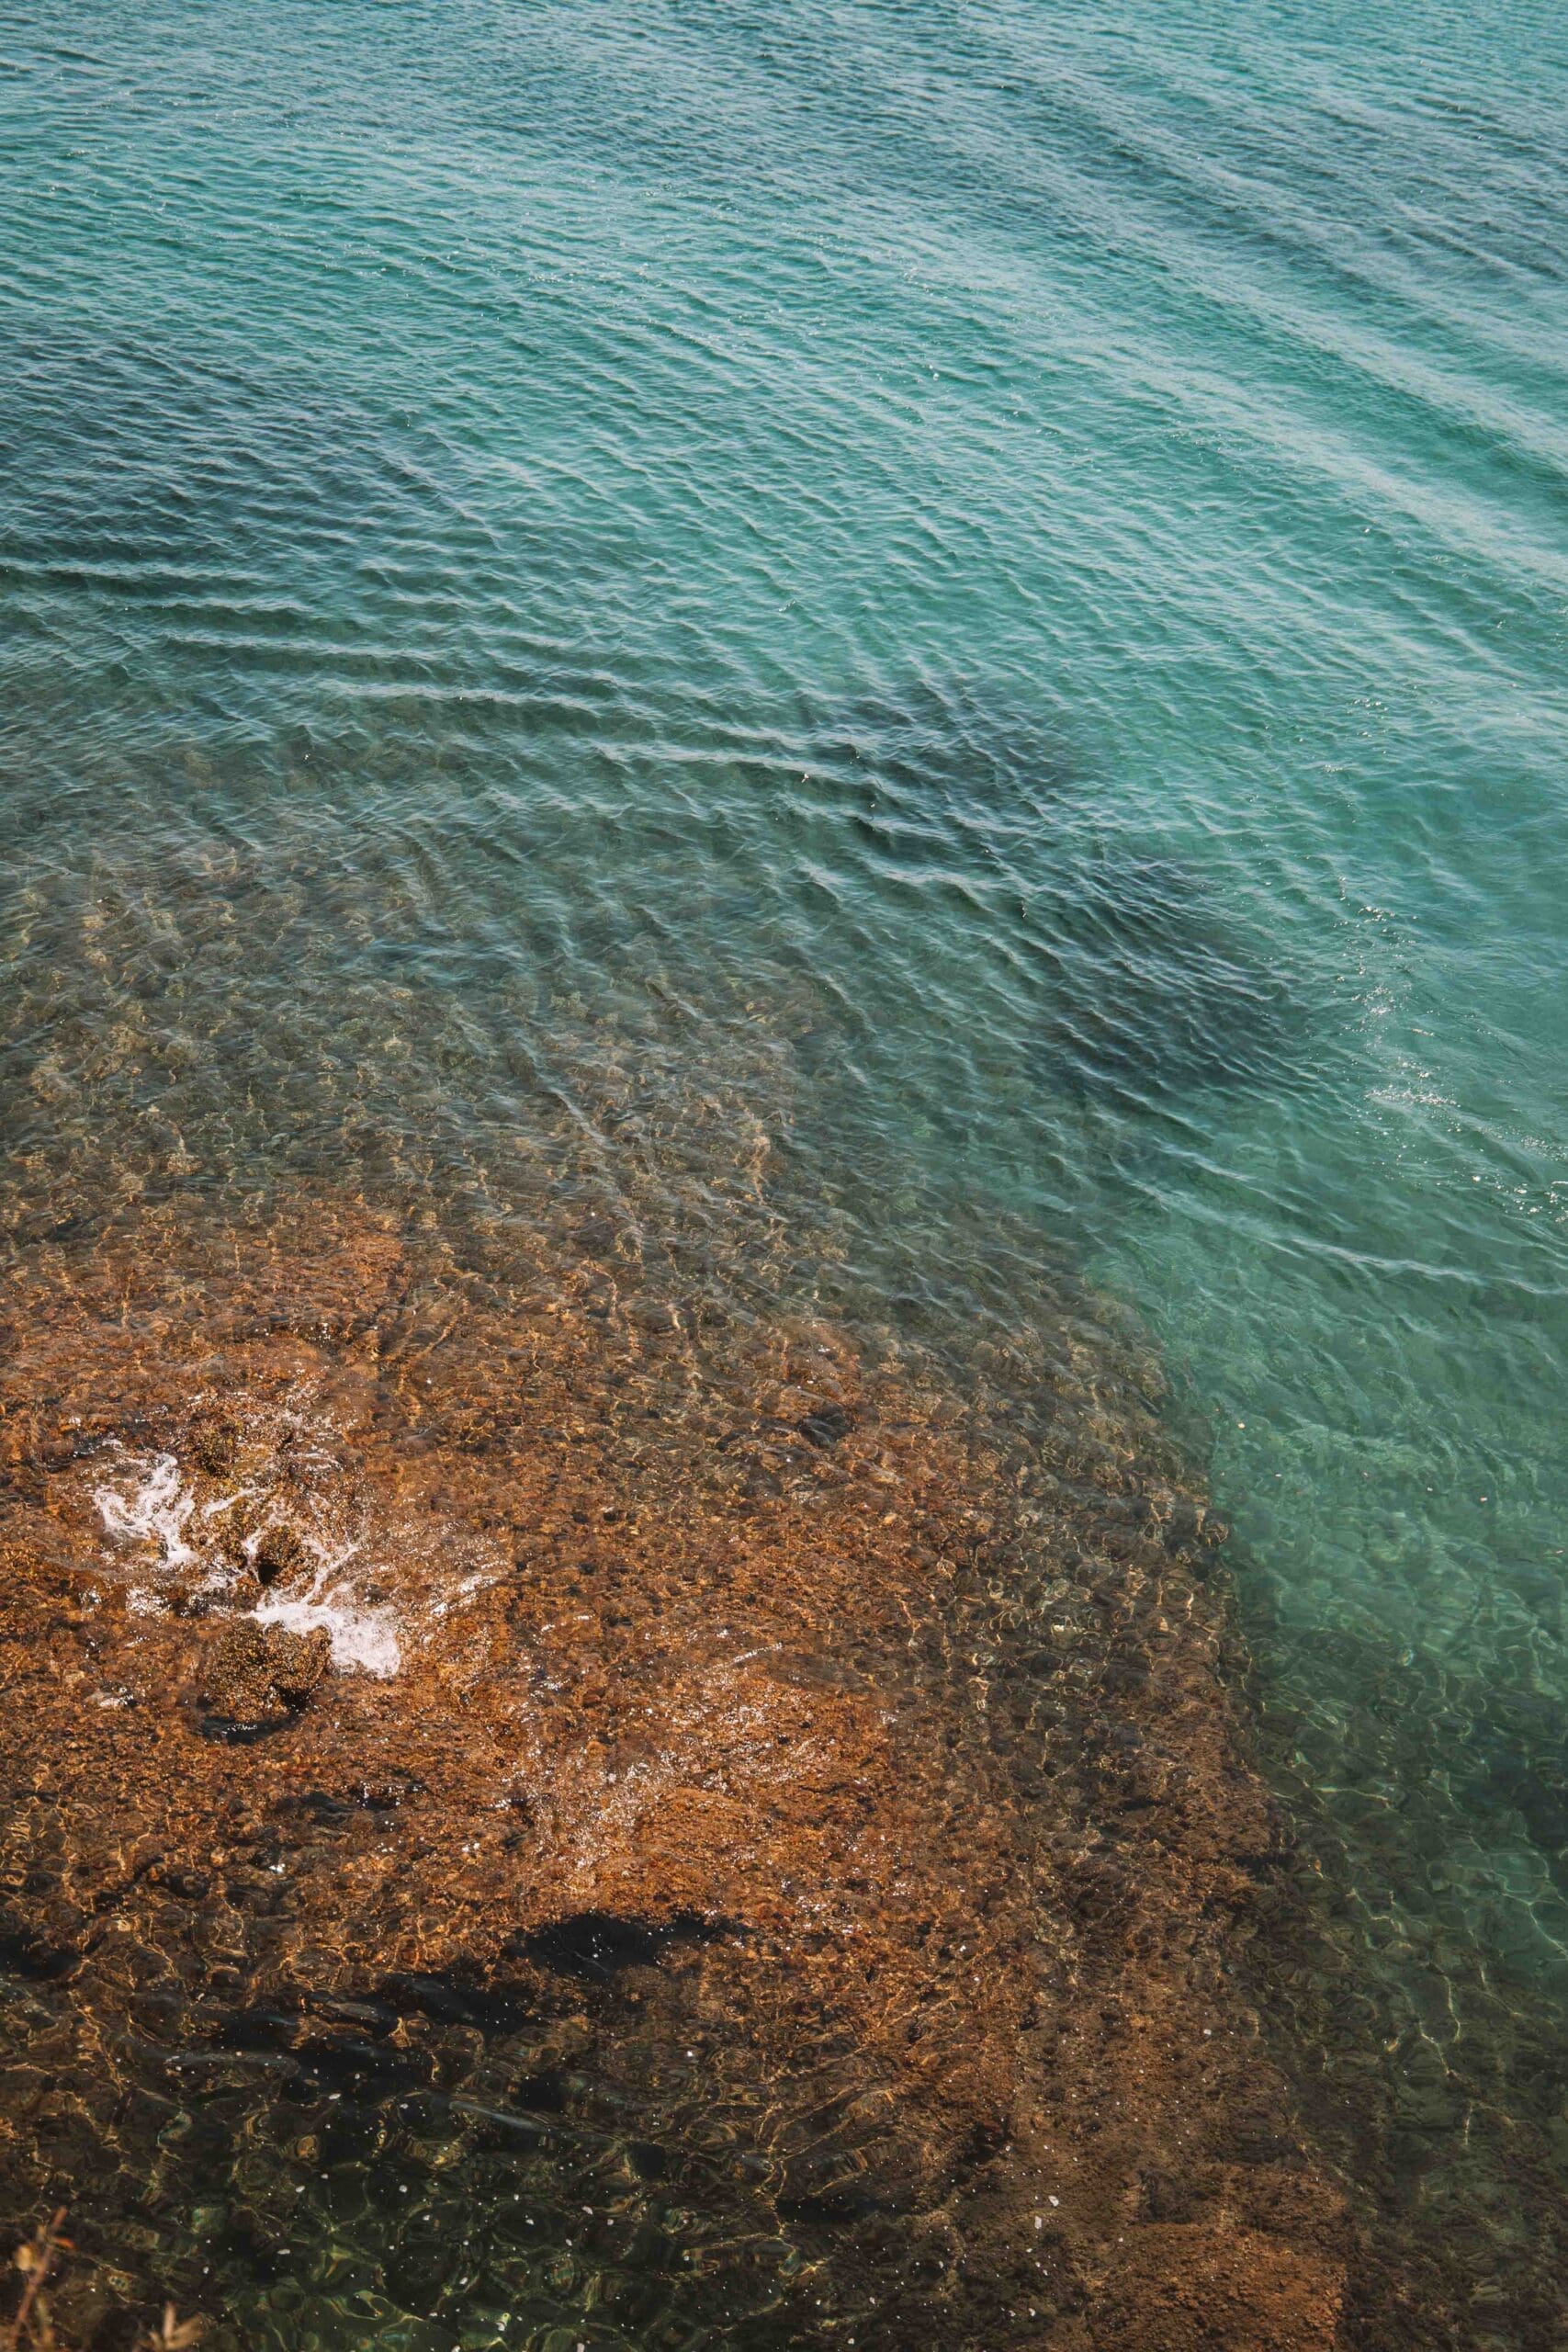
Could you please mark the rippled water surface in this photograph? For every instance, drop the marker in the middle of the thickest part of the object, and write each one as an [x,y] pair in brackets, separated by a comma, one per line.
[980,588]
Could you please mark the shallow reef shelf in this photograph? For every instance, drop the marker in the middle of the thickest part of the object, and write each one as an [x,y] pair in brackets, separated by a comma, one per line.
[539,1798]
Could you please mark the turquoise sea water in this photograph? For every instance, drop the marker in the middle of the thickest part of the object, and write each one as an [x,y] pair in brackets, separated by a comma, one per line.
[985,583]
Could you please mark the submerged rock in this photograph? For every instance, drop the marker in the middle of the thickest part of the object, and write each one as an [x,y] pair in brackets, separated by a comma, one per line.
[216,1447]
[278,1553]
[298,1661]
[256,1672]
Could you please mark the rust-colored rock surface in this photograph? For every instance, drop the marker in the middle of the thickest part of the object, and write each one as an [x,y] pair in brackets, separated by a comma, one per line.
[815,1752]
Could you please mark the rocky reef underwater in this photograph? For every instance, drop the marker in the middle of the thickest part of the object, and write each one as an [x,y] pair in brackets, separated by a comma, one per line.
[541,1807]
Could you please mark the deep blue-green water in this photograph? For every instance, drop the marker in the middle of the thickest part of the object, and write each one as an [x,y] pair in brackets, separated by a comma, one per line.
[978,588]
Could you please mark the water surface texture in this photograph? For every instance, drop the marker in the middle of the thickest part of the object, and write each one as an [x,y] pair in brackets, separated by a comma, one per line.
[986,583]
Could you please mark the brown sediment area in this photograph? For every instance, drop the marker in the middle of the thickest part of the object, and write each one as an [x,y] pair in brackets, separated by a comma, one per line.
[811,1746]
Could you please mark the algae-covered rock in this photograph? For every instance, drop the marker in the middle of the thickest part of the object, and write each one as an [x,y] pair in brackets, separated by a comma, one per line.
[256,1672]
[298,1661]
[278,1553]
[216,1446]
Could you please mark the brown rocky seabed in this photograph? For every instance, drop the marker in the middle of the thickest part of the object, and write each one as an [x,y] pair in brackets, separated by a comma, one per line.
[834,1762]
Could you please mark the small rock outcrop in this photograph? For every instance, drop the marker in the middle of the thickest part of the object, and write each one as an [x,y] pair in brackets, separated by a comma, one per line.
[278,1553]
[255,1674]
[216,1447]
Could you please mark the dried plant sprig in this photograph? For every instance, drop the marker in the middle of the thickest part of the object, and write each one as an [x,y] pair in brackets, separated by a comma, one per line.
[35,2260]
[31,2329]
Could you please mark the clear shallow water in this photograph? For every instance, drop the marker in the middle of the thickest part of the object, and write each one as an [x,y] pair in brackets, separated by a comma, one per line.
[989,586]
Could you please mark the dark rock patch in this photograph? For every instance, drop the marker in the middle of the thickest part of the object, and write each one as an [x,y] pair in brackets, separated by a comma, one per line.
[595,1946]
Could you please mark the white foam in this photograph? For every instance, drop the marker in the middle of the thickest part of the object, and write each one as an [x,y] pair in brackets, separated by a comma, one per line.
[365,1641]
[155,1513]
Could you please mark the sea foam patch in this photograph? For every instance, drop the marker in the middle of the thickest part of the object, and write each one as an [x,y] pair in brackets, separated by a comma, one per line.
[365,1641]
[154,1515]
[156,1511]
[282,1534]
